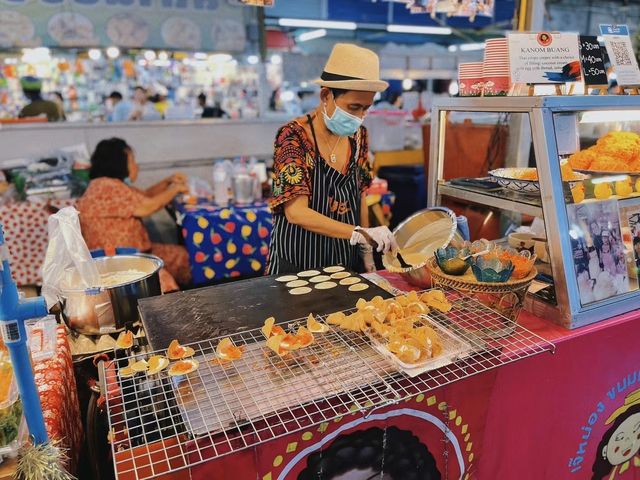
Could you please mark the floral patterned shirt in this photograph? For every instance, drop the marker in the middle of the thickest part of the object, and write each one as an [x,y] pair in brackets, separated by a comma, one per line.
[106,215]
[295,159]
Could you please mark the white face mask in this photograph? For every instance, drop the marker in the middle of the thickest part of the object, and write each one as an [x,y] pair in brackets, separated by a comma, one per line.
[341,123]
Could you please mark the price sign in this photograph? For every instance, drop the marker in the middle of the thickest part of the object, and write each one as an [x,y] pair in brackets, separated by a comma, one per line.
[592,61]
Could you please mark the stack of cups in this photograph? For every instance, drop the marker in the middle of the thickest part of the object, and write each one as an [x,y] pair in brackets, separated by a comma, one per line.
[495,68]
[470,79]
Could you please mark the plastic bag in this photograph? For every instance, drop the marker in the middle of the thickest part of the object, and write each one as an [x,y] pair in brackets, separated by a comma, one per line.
[67,251]
[200,188]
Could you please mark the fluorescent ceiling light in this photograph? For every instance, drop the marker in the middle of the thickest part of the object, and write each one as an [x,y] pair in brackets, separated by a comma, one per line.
[113,52]
[302,23]
[220,58]
[419,29]
[312,35]
[287,96]
[35,55]
[95,54]
[469,47]
[276,59]
[602,116]
[453,48]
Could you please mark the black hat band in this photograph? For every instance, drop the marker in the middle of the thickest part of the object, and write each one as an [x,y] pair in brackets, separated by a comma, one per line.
[334,77]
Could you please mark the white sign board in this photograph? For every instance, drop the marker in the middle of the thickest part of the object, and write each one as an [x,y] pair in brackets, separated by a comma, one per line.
[544,57]
[621,54]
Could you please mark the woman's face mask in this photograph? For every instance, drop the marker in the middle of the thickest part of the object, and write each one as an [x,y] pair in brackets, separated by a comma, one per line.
[341,123]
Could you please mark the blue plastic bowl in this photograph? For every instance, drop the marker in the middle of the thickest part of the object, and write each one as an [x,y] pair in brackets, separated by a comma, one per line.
[491,271]
[449,261]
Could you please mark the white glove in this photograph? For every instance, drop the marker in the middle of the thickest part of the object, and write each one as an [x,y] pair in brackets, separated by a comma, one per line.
[381,235]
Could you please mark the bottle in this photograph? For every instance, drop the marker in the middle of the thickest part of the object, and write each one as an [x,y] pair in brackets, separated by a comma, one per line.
[221,183]
[255,168]
[242,183]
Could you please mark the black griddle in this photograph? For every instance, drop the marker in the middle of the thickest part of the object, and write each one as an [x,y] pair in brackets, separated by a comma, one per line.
[209,312]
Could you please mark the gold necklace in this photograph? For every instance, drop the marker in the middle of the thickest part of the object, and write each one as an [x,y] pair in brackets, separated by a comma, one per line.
[332,156]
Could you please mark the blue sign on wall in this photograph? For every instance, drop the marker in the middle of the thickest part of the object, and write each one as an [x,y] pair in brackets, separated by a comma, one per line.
[173,24]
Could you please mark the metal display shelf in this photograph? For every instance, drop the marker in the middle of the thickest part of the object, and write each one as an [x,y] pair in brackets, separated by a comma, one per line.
[162,424]
[502,199]
[557,128]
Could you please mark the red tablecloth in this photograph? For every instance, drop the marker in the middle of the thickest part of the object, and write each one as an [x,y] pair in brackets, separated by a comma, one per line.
[25,231]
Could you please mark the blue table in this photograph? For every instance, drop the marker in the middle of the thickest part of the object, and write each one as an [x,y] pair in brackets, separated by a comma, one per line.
[225,242]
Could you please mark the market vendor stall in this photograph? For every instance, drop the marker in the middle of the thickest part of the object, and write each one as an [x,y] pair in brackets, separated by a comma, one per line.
[279,407]
[463,421]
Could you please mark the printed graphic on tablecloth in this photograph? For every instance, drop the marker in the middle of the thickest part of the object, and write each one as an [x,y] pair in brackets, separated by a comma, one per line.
[613,429]
[619,448]
[422,438]
[227,242]
[598,250]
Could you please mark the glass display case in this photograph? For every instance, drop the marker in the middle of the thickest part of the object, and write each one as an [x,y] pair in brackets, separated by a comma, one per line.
[574,163]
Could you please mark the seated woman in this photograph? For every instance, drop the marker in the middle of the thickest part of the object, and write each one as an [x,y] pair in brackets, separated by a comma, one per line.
[111,210]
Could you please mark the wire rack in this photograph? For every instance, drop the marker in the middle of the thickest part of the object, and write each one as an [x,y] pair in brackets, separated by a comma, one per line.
[161,424]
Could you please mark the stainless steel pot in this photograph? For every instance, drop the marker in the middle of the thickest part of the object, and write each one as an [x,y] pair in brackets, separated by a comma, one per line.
[102,310]
[423,232]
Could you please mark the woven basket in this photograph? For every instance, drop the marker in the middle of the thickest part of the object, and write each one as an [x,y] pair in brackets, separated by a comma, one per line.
[505,298]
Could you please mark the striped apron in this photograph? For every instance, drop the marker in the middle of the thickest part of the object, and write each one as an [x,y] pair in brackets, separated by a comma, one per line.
[334,195]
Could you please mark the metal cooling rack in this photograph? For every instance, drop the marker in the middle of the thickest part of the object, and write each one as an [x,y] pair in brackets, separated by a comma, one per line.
[163,424]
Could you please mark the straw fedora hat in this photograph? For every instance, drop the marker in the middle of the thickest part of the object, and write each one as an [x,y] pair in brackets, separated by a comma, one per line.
[352,68]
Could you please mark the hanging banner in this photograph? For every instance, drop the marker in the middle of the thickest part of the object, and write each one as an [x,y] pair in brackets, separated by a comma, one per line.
[211,25]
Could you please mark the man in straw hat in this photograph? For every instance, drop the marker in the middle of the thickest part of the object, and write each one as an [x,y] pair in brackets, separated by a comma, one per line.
[321,172]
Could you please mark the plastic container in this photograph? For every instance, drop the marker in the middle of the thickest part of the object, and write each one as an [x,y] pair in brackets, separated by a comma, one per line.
[258,170]
[222,183]
[42,337]
[243,184]
[453,348]
[12,427]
